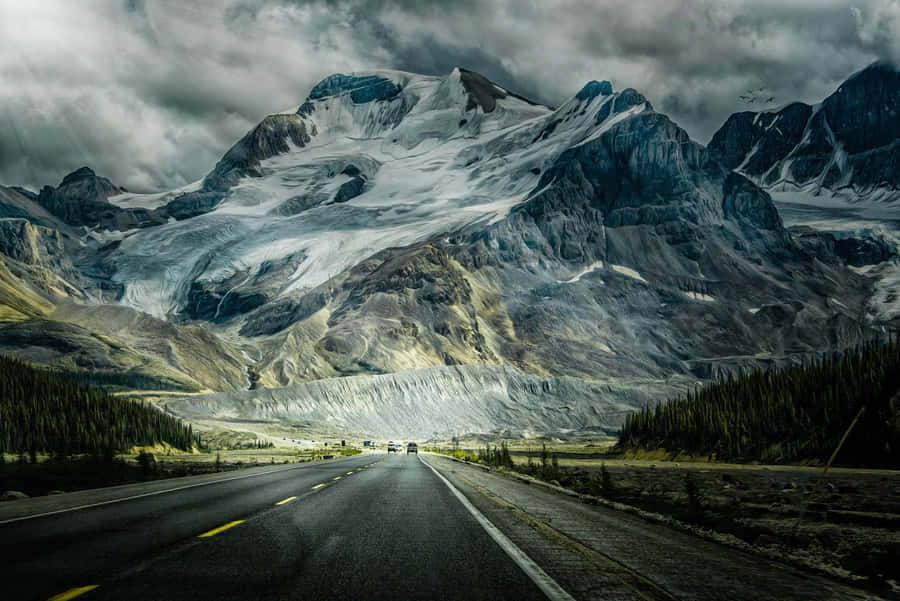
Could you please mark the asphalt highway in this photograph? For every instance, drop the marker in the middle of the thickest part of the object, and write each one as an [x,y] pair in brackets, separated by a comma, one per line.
[396,527]
[367,527]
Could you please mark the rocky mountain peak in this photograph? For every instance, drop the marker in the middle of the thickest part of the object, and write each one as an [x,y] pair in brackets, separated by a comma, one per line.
[82,199]
[849,144]
[85,176]
[864,112]
[78,174]
[594,88]
[360,88]
[274,135]
[482,92]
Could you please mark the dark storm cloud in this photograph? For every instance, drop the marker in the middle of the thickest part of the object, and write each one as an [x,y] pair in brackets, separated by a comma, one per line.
[152,93]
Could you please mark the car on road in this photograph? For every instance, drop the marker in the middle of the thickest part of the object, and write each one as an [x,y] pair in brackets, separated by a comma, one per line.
[412,448]
[394,447]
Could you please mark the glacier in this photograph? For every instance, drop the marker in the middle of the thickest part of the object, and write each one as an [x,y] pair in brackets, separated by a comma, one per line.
[437,169]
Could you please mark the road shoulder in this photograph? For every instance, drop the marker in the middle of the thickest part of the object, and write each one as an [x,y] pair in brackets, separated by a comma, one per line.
[612,554]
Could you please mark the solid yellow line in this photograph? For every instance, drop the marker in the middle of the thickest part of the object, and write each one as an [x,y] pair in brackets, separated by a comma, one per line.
[215,531]
[72,593]
[288,500]
[336,478]
[318,486]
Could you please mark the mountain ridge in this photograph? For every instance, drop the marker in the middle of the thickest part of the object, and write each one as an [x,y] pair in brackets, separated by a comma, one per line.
[396,222]
[847,144]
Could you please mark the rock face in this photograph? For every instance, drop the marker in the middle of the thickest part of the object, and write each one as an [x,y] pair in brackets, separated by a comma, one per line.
[362,89]
[273,136]
[81,199]
[850,142]
[856,250]
[546,267]
[37,265]
[31,244]
[18,203]
[134,348]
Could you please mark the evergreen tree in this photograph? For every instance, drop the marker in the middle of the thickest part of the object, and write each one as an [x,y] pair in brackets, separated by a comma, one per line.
[44,412]
[793,414]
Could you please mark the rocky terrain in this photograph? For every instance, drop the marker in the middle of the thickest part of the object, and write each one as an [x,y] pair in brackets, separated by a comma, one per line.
[844,149]
[579,261]
[432,402]
[831,170]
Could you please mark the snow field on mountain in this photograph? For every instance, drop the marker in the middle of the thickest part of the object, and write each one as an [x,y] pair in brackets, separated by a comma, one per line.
[431,165]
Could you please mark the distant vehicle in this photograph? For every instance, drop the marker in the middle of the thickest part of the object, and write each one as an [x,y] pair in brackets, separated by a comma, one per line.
[394,447]
[412,448]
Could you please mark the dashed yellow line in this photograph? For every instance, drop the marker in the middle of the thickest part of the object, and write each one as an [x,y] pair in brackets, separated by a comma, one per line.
[348,473]
[318,486]
[72,593]
[337,477]
[288,500]
[215,531]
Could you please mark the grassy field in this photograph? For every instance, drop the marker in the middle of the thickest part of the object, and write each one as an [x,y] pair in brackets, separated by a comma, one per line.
[256,456]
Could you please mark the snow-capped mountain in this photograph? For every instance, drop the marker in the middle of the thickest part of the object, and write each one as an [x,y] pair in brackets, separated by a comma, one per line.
[368,162]
[394,222]
[833,167]
[842,151]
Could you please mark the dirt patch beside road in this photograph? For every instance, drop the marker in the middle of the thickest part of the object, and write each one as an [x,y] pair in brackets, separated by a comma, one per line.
[851,526]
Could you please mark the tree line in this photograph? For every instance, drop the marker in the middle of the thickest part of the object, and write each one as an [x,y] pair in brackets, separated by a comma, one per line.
[44,412]
[122,380]
[791,414]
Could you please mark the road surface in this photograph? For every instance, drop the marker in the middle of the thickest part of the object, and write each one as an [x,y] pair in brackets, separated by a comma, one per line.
[370,527]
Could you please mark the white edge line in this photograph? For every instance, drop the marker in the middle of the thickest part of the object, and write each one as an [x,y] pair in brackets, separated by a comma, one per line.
[146,494]
[548,585]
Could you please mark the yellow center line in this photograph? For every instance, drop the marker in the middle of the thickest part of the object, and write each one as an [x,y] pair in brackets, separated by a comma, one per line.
[288,500]
[215,531]
[318,486]
[336,478]
[348,473]
[72,593]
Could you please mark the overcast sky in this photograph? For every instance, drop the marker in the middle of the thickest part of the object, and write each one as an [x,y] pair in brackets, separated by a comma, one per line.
[152,93]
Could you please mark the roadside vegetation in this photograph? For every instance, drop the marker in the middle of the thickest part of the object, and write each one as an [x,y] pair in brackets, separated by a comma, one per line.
[793,415]
[849,527]
[541,464]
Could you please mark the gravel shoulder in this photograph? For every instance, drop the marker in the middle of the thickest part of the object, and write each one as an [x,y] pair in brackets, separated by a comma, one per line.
[607,550]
